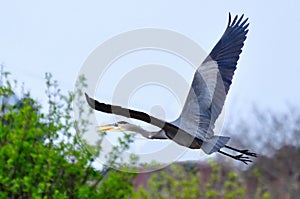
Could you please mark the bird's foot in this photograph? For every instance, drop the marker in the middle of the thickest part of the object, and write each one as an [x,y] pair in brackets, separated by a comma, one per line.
[247,152]
[244,159]
[241,157]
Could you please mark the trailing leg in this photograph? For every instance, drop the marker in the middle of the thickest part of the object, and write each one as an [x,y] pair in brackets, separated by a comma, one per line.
[245,151]
[240,157]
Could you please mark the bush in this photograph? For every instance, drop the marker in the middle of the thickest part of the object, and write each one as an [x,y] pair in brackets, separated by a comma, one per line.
[43,158]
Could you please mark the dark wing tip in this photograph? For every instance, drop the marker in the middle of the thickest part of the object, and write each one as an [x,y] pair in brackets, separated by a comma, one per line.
[226,52]
[244,22]
[237,21]
[90,101]
[229,20]
[240,19]
[86,96]
[234,20]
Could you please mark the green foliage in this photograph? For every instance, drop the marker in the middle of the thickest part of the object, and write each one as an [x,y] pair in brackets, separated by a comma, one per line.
[233,187]
[266,195]
[116,186]
[180,184]
[42,156]
[189,181]
[141,193]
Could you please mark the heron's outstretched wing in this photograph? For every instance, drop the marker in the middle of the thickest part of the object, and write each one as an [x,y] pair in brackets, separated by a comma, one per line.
[168,129]
[212,81]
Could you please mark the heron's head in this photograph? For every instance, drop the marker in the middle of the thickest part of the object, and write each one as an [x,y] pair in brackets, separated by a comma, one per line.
[118,126]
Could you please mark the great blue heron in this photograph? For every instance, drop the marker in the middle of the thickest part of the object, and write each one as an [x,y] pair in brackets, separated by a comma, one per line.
[204,103]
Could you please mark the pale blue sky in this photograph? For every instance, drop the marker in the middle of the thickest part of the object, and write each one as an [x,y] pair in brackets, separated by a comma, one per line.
[57,36]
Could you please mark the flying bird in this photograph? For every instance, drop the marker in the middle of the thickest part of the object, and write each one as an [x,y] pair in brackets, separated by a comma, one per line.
[194,128]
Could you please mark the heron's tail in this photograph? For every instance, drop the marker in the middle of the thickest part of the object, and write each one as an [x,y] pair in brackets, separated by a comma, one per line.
[214,143]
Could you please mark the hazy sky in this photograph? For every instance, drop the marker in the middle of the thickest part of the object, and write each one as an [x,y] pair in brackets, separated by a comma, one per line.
[57,37]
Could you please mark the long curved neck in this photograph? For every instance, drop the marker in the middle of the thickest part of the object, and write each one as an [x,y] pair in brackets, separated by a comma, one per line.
[138,129]
[147,134]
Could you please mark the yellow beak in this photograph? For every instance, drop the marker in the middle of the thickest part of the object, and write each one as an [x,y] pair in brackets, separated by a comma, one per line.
[107,127]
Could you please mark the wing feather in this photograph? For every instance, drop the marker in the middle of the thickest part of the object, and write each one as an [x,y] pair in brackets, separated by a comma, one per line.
[212,81]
